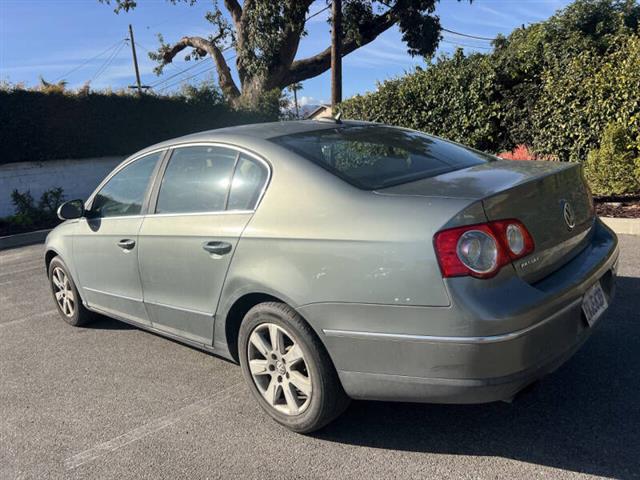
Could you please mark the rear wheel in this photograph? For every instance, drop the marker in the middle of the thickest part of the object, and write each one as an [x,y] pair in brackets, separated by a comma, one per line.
[288,370]
[66,296]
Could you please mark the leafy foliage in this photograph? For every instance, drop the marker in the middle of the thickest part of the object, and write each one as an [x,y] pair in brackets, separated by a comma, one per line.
[31,216]
[614,168]
[555,86]
[266,33]
[455,98]
[44,125]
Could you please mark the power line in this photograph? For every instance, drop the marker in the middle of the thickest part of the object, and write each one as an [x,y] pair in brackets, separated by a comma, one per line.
[89,60]
[170,77]
[317,13]
[196,64]
[184,79]
[108,62]
[468,35]
[458,44]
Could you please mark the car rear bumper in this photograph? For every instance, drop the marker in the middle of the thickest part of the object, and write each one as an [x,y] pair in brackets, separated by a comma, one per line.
[402,353]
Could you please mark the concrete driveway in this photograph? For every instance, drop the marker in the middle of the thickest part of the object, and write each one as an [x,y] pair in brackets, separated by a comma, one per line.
[112,401]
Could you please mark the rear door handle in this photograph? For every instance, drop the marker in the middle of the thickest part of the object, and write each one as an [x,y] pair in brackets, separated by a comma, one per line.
[127,244]
[217,248]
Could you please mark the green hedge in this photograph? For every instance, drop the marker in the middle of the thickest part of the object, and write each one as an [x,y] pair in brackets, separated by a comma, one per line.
[38,126]
[554,86]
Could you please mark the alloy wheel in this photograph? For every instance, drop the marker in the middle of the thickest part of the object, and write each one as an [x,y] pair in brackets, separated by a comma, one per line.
[278,369]
[63,292]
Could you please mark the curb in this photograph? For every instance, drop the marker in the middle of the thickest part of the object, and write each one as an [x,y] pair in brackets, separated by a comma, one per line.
[623,226]
[23,239]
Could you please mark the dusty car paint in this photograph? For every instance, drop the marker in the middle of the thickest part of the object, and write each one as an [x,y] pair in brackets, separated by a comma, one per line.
[360,267]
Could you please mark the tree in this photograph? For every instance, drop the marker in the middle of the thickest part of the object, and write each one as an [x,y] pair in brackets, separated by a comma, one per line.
[294,88]
[265,35]
[553,86]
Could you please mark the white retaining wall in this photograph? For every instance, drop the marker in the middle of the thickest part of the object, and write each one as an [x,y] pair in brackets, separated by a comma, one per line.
[78,178]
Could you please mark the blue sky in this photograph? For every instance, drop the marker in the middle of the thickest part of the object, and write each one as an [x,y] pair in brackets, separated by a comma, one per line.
[53,38]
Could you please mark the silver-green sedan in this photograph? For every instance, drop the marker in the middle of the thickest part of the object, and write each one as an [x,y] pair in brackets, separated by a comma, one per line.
[337,260]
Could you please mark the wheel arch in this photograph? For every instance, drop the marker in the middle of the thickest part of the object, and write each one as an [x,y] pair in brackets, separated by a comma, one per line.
[236,314]
[227,331]
[49,255]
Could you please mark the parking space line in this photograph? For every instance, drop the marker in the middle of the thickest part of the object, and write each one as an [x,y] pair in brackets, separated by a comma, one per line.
[24,319]
[136,434]
[39,267]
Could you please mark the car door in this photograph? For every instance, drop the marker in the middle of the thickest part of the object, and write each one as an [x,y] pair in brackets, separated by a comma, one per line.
[203,201]
[105,241]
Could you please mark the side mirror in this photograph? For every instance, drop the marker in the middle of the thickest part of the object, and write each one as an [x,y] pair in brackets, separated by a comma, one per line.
[71,209]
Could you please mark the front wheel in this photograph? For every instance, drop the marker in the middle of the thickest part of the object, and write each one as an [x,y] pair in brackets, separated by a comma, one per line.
[288,370]
[66,296]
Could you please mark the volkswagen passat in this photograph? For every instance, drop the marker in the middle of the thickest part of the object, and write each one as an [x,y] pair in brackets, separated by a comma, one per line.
[343,260]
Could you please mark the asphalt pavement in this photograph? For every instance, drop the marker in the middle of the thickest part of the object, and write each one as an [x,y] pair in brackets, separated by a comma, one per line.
[112,401]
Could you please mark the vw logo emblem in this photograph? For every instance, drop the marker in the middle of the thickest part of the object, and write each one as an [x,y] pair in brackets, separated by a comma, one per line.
[569,215]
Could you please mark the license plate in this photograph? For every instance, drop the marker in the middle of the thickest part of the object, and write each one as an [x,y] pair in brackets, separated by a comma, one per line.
[594,303]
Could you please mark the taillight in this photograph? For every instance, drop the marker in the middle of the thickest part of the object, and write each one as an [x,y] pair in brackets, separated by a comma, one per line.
[481,250]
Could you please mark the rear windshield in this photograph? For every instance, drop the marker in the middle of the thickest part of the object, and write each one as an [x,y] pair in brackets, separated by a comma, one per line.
[375,156]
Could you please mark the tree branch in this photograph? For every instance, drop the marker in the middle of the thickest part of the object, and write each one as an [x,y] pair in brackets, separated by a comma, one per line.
[235,10]
[202,47]
[310,67]
[291,40]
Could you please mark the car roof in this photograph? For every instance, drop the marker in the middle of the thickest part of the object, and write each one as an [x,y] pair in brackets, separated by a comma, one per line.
[272,129]
[255,131]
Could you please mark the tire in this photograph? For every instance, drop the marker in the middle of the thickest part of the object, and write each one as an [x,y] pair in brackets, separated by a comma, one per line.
[72,311]
[272,376]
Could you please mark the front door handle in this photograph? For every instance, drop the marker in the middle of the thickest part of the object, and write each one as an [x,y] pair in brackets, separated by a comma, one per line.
[217,248]
[126,244]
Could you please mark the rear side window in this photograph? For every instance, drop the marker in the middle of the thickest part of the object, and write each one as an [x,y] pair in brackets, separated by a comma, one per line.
[124,193]
[196,180]
[376,156]
[248,182]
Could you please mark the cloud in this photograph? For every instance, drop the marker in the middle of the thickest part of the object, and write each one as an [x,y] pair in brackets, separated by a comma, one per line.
[307,100]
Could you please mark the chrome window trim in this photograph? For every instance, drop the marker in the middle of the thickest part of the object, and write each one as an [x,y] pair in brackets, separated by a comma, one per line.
[190,214]
[243,150]
[195,214]
[170,148]
[126,162]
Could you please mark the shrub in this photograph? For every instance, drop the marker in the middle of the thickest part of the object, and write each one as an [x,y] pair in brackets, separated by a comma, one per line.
[455,98]
[554,85]
[523,152]
[46,124]
[614,168]
[31,216]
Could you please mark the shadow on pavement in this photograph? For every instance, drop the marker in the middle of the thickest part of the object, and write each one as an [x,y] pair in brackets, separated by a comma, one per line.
[105,323]
[585,417]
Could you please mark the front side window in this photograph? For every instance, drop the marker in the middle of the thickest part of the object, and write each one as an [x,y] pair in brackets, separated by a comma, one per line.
[248,181]
[197,179]
[376,156]
[124,193]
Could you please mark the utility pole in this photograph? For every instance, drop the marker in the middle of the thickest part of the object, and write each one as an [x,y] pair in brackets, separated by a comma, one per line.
[336,54]
[135,61]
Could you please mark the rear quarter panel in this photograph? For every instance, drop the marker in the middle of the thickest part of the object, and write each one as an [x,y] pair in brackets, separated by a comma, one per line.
[315,238]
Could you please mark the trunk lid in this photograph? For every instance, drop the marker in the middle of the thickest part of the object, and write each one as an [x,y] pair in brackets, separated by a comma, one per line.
[547,197]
